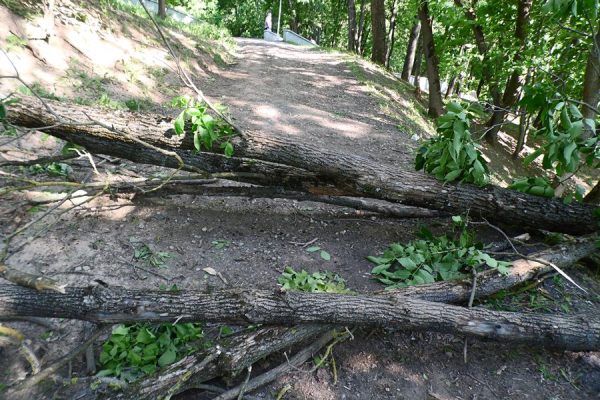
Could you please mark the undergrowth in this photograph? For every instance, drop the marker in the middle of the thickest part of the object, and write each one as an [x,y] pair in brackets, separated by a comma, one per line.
[433,258]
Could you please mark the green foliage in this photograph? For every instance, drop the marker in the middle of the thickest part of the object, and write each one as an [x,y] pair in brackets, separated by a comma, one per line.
[324,254]
[317,282]
[37,89]
[15,42]
[155,259]
[452,155]
[562,128]
[431,259]
[535,186]
[52,169]
[567,8]
[206,129]
[221,244]
[133,351]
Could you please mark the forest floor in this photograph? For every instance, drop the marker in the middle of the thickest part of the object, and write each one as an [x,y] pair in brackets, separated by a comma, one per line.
[328,98]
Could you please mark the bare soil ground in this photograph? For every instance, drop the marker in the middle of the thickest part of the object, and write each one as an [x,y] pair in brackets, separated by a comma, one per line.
[327,98]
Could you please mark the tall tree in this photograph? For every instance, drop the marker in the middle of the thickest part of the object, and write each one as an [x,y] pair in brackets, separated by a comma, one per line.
[351,26]
[378,28]
[391,34]
[162,8]
[411,49]
[361,28]
[591,82]
[436,106]
[515,80]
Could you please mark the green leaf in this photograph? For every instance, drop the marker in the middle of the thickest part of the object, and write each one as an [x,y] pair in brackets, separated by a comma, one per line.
[379,269]
[179,123]
[452,175]
[407,263]
[312,249]
[568,151]
[197,141]
[2,112]
[529,159]
[228,149]
[454,107]
[325,255]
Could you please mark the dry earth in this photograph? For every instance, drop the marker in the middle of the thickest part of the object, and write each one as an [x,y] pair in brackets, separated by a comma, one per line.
[333,100]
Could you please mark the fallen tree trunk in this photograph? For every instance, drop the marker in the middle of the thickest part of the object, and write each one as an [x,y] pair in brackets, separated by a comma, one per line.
[245,306]
[297,165]
[243,350]
[490,282]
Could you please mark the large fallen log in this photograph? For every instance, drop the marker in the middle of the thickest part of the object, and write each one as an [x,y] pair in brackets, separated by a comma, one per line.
[295,164]
[246,306]
[241,351]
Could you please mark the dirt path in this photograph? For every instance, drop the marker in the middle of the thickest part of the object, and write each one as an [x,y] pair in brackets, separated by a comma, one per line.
[294,90]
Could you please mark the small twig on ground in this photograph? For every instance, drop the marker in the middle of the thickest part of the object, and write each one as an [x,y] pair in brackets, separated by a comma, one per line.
[53,368]
[243,387]
[304,244]
[293,363]
[40,160]
[539,260]
[34,320]
[470,305]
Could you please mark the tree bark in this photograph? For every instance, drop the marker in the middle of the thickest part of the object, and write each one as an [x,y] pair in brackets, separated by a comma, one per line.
[524,119]
[591,83]
[378,51]
[294,164]
[436,105]
[416,69]
[391,35]
[162,9]
[411,50]
[515,80]
[361,27]
[246,306]
[482,48]
[351,26]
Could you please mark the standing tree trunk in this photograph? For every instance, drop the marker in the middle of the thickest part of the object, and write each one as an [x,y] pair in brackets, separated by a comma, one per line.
[411,50]
[378,29]
[524,120]
[162,9]
[351,26]
[416,70]
[294,23]
[436,106]
[591,84]
[482,49]
[515,80]
[391,35]
[361,27]
[365,37]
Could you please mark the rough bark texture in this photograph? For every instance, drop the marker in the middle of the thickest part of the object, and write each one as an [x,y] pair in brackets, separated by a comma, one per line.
[488,282]
[411,50]
[294,164]
[361,28]
[246,306]
[162,8]
[378,27]
[436,105]
[351,26]
[391,38]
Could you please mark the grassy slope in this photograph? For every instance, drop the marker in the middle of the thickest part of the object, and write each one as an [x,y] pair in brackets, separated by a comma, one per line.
[106,53]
